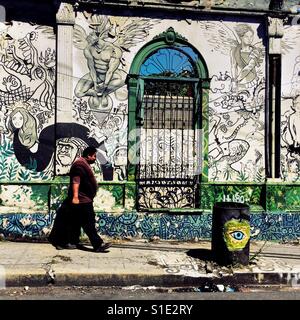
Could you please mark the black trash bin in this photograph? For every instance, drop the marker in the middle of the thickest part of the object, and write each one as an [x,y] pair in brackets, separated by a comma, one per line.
[108,172]
[231,233]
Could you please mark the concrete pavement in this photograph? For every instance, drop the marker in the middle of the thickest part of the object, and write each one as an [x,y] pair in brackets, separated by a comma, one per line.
[139,262]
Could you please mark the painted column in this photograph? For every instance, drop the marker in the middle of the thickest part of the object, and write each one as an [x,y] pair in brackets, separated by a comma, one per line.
[275,34]
[205,129]
[65,19]
[133,136]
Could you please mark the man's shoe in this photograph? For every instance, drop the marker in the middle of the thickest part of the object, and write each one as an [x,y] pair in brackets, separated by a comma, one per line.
[70,246]
[67,246]
[103,247]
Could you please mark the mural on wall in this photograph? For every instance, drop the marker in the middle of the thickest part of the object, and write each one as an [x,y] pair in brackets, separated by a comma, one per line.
[271,227]
[100,95]
[236,106]
[290,106]
[27,100]
[27,106]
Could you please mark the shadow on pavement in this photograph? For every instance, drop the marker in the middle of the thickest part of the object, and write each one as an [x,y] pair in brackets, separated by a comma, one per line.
[202,254]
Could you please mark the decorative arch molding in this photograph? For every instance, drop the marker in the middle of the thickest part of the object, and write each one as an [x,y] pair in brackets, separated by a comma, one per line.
[168,39]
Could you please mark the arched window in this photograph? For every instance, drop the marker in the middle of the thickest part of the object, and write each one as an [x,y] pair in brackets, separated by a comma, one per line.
[168,84]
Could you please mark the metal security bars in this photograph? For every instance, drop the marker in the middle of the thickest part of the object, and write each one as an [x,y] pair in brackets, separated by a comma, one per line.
[166,174]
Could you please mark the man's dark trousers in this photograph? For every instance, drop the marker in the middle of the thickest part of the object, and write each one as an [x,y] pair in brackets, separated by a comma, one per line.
[83,216]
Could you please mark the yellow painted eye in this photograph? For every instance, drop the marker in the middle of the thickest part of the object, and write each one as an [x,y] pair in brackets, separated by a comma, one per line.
[238,235]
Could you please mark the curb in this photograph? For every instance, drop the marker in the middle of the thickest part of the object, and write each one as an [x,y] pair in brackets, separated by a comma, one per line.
[145,280]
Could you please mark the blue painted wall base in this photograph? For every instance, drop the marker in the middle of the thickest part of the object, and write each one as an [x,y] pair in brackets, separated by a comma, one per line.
[264,226]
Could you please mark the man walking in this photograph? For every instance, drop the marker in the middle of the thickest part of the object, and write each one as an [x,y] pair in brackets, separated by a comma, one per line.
[82,190]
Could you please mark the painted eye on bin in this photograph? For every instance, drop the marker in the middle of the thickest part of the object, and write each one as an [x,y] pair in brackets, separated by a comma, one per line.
[238,235]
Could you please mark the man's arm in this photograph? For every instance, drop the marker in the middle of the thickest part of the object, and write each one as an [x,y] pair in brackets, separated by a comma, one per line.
[75,189]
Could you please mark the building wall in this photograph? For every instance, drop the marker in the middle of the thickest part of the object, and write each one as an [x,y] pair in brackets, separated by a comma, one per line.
[236,101]
[33,161]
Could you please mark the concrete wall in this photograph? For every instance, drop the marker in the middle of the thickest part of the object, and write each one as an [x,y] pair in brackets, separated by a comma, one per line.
[236,100]
[32,158]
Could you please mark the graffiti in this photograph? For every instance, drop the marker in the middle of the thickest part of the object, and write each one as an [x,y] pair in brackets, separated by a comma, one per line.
[27,110]
[221,83]
[23,63]
[4,35]
[246,57]
[111,135]
[293,125]
[236,103]
[82,112]
[40,158]
[147,226]
[22,123]
[103,50]
[186,266]
[290,137]
[235,198]
[236,234]
[225,130]
[67,150]
[290,104]
[100,94]
[27,98]
[119,160]
[290,141]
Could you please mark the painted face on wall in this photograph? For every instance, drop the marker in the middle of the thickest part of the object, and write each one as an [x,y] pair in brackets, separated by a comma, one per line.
[236,234]
[17,120]
[247,38]
[66,153]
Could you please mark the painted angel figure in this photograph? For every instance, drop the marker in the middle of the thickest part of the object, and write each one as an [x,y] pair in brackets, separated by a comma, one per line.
[245,55]
[103,49]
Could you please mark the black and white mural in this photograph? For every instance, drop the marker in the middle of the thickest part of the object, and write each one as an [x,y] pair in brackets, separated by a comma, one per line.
[235,55]
[236,102]
[103,50]
[101,47]
[27,101]
[290,105]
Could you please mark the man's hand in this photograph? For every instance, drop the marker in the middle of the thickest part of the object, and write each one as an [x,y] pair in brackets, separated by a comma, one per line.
[75,200]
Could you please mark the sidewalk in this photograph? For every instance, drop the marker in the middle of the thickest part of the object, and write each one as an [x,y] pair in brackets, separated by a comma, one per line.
[139,262]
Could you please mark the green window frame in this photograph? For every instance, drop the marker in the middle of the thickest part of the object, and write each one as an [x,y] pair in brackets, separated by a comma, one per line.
[167,39]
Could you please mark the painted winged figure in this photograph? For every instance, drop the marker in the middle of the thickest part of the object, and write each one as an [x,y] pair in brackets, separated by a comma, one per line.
[245,56]
[103,49]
